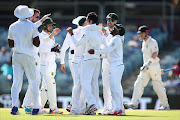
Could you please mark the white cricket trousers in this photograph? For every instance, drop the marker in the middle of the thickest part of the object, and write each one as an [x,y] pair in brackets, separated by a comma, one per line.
[78,96]
[24,63]
[116,71]
[143,78]
[48,90]
[89,79]
[106,86]
[27,102]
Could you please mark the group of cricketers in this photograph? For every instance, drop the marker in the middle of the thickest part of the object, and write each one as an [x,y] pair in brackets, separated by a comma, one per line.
[35,53]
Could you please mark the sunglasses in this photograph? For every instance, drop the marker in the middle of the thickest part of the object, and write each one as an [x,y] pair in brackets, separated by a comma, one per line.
[36,16]
[110,20]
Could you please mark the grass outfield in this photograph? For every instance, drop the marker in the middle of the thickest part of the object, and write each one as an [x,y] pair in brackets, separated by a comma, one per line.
[131,115]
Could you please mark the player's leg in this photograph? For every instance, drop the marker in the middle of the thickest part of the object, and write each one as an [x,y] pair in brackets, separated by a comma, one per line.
[43,93]
[155,72]
[106,88]
[76,89]
[95,86]
[82,102]
[116,72]
[51,88]
[142,80]
[27,101]
[30,65]
[18,72]
[72,73]
[87,71]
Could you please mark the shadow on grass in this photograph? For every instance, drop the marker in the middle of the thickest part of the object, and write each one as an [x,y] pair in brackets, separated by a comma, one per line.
[65,115]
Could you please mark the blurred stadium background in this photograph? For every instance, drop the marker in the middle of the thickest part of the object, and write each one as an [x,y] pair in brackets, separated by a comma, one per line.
[161,16]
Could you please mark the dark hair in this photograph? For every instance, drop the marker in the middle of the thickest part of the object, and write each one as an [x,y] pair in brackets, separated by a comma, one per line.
[81,22]
[92,16]
[36,11]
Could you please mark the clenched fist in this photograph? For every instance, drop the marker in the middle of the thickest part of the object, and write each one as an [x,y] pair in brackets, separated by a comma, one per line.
[70,31]
[56,31]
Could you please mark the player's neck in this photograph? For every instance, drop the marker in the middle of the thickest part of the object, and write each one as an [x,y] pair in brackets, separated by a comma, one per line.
[146,39]
[46,32]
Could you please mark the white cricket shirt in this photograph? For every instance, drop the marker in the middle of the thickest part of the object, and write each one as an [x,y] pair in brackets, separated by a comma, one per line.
[46,54]
[149,47]
[114,51]
[22,32]
[92,40]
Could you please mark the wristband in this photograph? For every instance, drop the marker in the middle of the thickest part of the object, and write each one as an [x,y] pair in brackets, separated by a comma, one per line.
[151,60]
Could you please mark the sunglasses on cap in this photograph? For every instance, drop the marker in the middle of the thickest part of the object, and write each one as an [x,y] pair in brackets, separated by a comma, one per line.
[36,16]
[110,20]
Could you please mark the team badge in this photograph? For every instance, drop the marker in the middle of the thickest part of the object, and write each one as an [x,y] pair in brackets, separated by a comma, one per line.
[52,73]
[83,36]
[155,47]
[36,63]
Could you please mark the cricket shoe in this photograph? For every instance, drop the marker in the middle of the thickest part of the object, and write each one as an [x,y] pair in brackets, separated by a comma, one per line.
[69,107]
[35,112]
[87,113]
[121,113]
[112,112]
[43,111]
[130,105]
[27,110]
[55,111]
[91,110]
[104,112]
[15,111]
[164,108]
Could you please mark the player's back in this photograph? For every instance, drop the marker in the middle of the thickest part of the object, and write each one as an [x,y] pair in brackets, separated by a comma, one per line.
[22,32]
[95,39]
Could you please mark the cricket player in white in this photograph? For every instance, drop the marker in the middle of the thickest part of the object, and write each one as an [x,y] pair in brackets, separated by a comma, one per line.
[78,97]
[91,63]
[22,36]
[111,19]
[151,69]
[67,44]
[48,65]
[27,102]
[114,53]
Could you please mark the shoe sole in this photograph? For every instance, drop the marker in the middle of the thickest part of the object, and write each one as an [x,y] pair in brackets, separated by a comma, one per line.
[127,106]
[68,110]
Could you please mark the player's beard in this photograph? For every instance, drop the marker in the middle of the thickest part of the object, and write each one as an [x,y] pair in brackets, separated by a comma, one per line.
[110,25]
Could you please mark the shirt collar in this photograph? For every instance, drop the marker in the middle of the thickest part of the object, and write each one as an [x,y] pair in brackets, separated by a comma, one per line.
[117,36]
[43,32]
[22,19]
[147,39]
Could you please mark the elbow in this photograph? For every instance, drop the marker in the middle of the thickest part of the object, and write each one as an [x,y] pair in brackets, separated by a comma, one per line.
[36,41]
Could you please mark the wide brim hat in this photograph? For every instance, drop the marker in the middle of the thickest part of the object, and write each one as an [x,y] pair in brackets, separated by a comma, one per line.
[78,19]
[22,11]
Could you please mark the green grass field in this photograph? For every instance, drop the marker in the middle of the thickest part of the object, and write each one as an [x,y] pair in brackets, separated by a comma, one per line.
[131,115]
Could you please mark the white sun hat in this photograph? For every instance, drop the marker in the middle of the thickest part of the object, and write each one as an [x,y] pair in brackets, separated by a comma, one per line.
[22,11]
[77,19]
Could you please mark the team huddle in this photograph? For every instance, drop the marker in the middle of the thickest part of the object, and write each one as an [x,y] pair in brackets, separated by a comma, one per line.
[35,53]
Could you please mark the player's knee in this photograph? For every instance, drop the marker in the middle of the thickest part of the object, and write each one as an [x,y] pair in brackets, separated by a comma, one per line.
[157,85]
[138,83]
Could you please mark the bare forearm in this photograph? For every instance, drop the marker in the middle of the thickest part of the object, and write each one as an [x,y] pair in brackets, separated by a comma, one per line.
[153,57]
